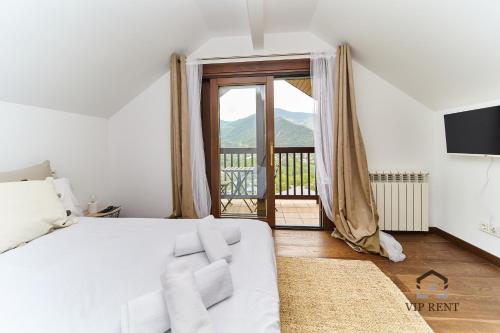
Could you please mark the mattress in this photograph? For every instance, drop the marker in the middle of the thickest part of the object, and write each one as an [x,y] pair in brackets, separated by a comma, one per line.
[76,279]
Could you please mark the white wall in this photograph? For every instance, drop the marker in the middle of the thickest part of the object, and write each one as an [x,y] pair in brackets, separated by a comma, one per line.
[74,144]
[460,205]
[396,128]
[139,159]
[279,43]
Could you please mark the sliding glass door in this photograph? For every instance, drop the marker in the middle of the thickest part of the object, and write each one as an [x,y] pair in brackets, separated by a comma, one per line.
[297,204]
[242,174]
[258,136]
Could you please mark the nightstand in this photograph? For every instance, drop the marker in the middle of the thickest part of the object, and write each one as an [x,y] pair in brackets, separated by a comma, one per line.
[113,213]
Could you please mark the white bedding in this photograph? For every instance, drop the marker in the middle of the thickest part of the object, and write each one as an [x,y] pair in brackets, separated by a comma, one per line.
[76,279]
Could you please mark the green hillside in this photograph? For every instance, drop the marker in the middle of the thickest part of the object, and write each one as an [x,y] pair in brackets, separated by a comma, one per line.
[300,118]
[288,134]
[292,129]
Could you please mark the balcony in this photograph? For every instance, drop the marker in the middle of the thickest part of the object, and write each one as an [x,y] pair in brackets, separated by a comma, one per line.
[295,184]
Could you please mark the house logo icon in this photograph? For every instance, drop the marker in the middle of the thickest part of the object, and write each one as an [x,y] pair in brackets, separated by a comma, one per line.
[432,283]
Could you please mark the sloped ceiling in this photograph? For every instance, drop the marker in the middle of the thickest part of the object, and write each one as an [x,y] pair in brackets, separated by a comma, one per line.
[93,56]
[443,53]
[225,17]
[90,56]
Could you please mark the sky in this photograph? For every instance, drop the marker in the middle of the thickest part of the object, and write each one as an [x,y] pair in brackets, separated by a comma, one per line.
[239,103]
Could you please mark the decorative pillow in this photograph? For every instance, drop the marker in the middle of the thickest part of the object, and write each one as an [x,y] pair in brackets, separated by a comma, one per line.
[29,210]
[35,172]
[68,199]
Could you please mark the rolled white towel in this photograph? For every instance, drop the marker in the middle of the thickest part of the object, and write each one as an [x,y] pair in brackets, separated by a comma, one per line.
[185,307]
[213,243]
[190,243]
[149,314]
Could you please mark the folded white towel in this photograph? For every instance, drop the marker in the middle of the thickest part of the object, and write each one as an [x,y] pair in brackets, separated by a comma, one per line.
[190,243]
[185,307]
[214,282]
[148,313]
[213,243]
[145,314]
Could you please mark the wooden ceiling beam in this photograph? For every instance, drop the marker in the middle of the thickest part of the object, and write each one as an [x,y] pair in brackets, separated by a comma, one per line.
[255,10]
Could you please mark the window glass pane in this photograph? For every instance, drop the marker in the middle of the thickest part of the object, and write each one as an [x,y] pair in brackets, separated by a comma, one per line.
[295,174]
[242,130]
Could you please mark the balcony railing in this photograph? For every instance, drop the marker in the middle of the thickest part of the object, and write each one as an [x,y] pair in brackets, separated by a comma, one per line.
[295,172]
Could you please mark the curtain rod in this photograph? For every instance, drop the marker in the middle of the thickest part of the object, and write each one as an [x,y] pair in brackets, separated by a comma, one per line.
[258,56]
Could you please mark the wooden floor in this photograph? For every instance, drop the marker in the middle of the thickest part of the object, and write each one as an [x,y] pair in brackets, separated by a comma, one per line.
[473,282]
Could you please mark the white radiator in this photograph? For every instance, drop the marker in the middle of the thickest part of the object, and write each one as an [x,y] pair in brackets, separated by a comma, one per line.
[402,200]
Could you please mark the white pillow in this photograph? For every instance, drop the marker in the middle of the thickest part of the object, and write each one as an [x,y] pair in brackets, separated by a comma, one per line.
[34,172]
[67,197]
[29,210]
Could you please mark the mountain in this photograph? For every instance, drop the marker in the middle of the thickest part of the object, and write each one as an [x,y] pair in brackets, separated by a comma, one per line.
[238,133]
[300,118]
[292,129]
[289,134]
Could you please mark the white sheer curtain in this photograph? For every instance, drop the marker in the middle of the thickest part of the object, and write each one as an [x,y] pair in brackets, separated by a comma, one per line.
[201,191]
[322,79]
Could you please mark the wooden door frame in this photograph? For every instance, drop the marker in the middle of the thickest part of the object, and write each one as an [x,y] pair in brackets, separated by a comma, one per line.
[288,67]
[243,72]
[271,204]
[214,172]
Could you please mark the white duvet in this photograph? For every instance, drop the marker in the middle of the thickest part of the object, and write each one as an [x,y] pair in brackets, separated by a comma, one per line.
[76,279]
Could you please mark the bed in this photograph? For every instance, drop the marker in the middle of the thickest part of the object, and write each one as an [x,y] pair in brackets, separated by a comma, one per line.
[76,279]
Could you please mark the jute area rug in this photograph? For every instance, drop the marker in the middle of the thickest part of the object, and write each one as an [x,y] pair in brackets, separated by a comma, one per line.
[335,295]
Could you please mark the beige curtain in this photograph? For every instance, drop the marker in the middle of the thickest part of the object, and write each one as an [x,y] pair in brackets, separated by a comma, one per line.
[182,195]
[355,213]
